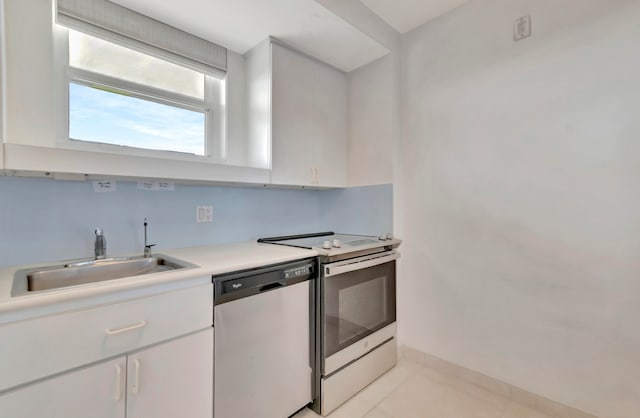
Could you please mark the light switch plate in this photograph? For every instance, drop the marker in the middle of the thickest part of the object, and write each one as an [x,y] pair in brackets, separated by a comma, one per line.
[204,214]
[522,28]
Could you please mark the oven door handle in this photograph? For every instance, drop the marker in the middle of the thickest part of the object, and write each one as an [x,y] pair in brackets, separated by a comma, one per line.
[358,264]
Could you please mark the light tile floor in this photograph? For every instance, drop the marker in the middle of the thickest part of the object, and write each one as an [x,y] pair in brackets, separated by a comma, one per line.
[412,391]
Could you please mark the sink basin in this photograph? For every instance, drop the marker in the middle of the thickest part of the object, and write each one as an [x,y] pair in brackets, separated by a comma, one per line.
[90,271]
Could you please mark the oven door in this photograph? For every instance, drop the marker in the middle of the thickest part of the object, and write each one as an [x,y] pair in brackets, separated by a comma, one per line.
[358,299]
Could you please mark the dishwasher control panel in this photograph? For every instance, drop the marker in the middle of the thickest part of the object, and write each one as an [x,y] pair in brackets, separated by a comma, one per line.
[245,283]
[299,271]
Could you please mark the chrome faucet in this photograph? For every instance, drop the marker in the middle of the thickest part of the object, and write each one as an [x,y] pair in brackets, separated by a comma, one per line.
[147,247]
[100,245]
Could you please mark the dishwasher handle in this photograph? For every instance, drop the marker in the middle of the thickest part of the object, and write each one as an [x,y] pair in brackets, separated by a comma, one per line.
[271,286]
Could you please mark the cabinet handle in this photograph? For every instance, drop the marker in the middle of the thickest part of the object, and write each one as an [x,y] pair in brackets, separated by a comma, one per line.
[135,388]
[129,328]
[118,393]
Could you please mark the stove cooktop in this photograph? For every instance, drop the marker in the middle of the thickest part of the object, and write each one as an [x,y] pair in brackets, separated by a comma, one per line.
[333,244]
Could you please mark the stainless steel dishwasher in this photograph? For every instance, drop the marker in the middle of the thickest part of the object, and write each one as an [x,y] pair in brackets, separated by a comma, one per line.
[263,341]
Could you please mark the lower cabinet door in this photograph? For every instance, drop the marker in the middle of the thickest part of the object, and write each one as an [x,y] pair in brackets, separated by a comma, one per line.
[97,392]
[172,379]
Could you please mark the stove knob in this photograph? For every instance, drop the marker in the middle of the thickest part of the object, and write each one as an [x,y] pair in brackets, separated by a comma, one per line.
[326,245]
[337,243]
[388,236]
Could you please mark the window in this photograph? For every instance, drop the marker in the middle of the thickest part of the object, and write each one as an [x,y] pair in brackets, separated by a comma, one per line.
[121,97]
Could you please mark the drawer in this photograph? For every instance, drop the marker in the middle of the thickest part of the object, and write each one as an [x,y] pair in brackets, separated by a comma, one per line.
[41,347]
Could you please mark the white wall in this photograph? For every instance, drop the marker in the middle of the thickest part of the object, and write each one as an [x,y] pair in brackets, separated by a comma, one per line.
[374,123]
[371,123]
[521,172]
[364,210]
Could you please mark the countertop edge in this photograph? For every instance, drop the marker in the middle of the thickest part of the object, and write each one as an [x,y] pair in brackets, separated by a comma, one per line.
[209,260]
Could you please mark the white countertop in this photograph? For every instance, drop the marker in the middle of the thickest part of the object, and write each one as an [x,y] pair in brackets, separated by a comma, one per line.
[210,260]
[218,259]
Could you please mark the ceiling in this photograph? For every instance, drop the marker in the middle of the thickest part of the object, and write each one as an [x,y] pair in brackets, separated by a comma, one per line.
[404,15]
[239,25]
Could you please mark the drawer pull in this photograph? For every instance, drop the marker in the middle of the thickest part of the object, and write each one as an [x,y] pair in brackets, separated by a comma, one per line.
[129,328]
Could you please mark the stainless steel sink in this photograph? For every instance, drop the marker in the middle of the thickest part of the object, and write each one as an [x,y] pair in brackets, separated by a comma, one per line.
[90,271]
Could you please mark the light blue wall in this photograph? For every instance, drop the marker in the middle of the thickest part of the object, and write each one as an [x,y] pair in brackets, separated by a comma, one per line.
[45,220]
[360,210]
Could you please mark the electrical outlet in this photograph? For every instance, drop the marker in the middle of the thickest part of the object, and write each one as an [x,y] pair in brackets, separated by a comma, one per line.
[522,28]
[204,214]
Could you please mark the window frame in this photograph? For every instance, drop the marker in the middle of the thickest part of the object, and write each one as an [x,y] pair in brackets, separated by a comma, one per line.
[212,106]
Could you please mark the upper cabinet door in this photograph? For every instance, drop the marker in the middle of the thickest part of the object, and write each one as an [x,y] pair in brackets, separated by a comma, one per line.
[96,391]
[308,121]
[294,125]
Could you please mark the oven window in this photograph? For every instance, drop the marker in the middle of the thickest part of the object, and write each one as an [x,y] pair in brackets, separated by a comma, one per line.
[357,304]
[361,308]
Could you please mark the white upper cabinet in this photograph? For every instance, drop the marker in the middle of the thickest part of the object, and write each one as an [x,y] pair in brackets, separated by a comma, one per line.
[294,125]
[307,116]
[309,121]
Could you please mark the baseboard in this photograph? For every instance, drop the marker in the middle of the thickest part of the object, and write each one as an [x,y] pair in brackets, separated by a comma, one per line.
[458,374]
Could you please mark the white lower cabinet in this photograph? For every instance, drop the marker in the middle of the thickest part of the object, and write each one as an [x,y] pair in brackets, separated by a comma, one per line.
[168,380]
[172,380]
[47,346]
[96,391]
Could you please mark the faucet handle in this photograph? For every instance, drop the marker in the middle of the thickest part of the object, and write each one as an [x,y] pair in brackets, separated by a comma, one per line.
[147,250]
